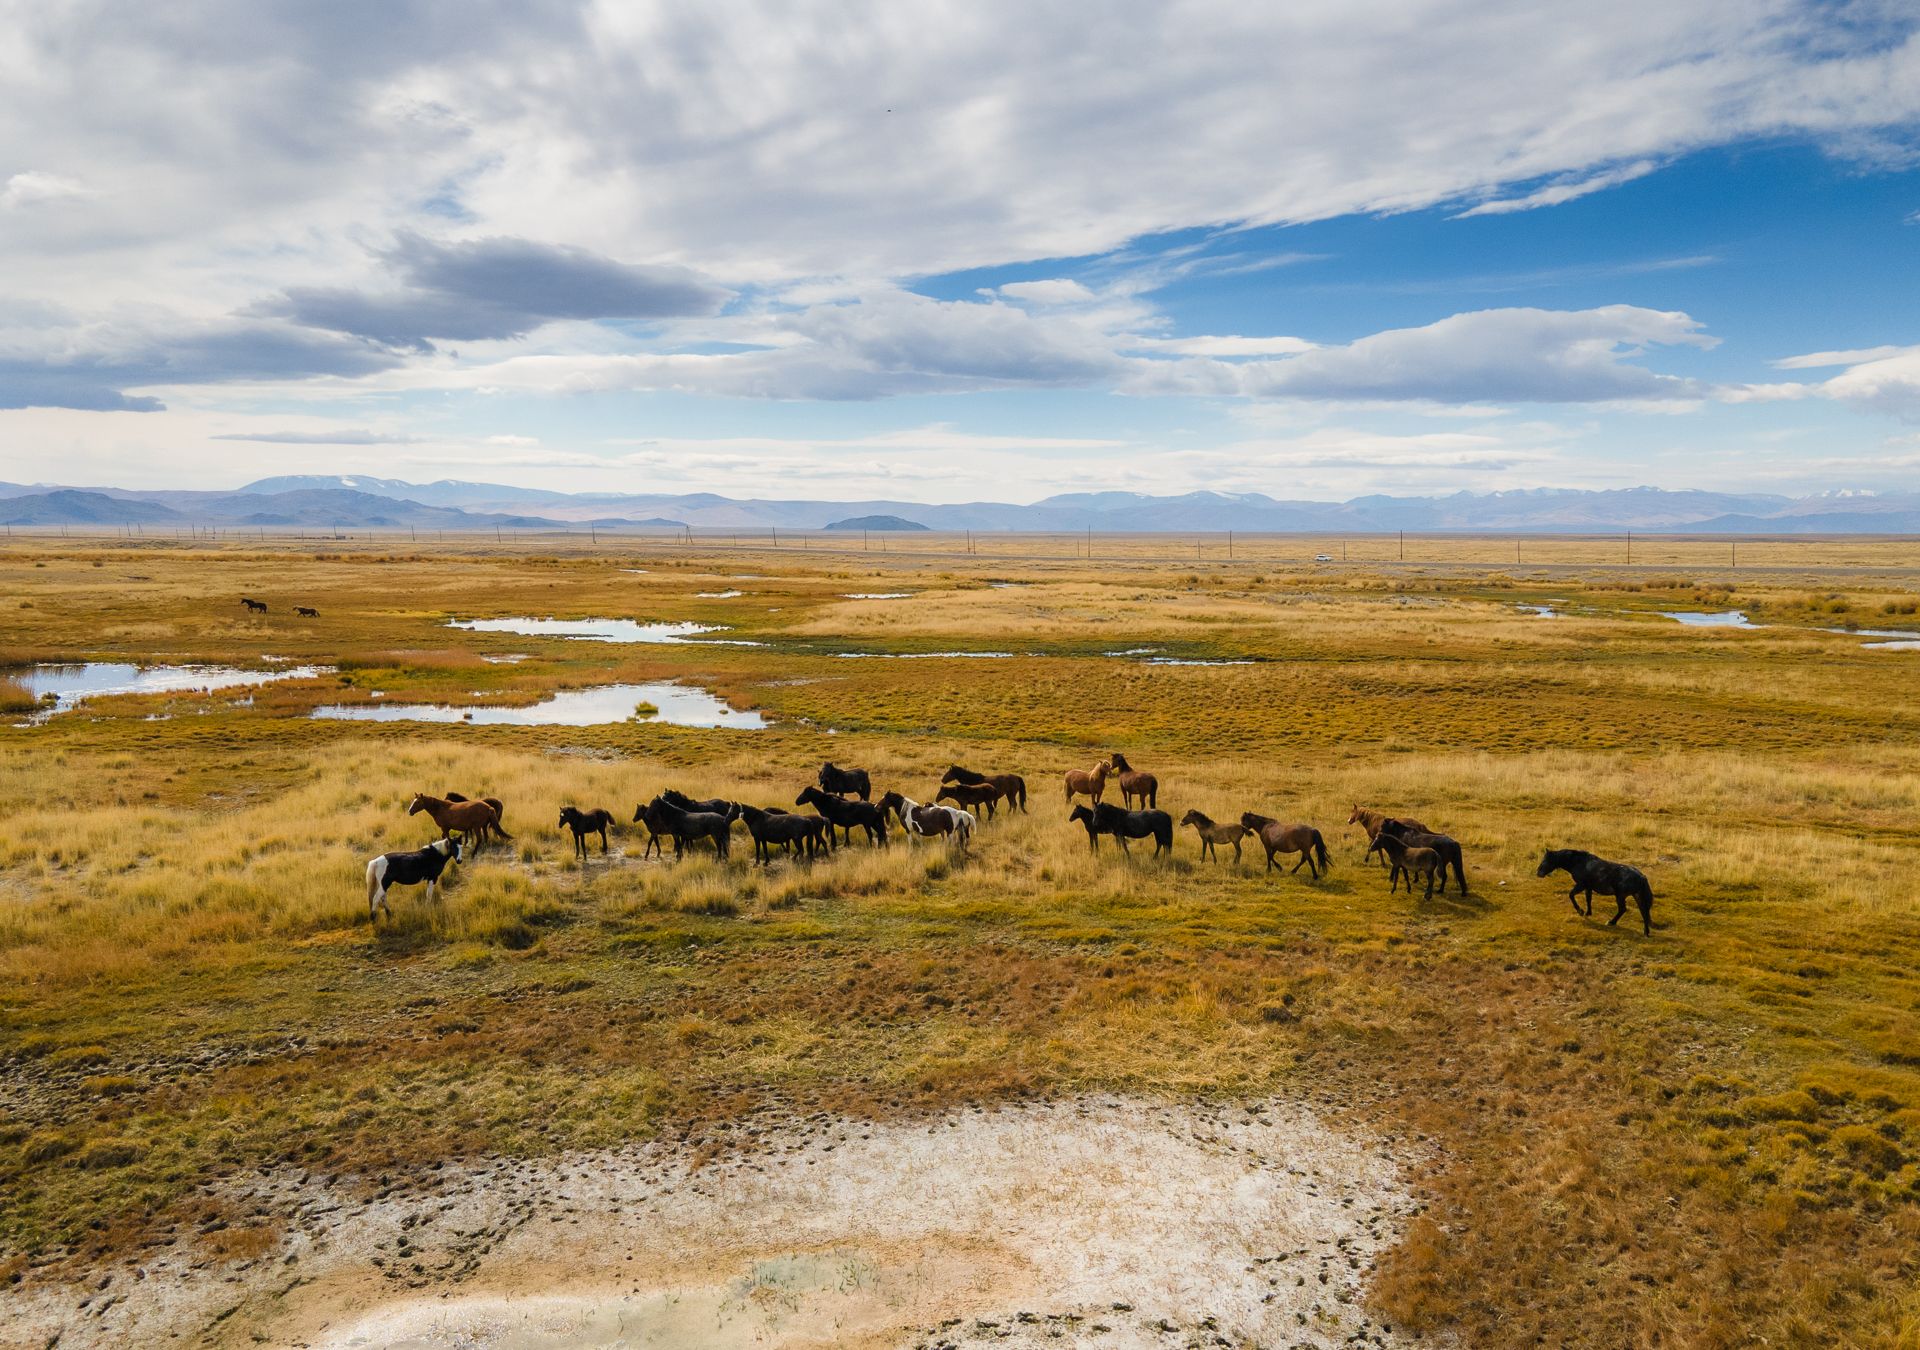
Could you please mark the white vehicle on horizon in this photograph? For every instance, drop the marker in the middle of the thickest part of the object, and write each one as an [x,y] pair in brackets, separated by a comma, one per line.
[1323,557]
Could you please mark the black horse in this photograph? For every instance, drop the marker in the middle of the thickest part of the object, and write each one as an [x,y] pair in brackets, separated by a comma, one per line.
[584,823]
[845,814]
[663,817]
[718,806]
[1445,845]
[1592,874]
[840,781]
[1106,818]
[785,829]
[254,606]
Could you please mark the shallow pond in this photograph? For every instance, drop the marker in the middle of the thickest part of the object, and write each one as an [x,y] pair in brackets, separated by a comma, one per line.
[88,679]
[877,595]
[593,630]
[677,704]
[1730,618]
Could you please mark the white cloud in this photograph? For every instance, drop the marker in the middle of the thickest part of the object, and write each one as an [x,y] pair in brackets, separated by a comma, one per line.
[1054,291]
[1225,346]
[1563,190]
[30,188]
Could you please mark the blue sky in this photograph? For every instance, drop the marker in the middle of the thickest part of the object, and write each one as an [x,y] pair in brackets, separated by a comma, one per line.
[982,251]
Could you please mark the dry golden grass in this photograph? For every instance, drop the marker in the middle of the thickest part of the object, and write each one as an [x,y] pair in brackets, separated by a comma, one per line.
[1705,1137]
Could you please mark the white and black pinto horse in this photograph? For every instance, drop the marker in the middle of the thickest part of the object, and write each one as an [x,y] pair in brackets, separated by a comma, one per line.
[407,869]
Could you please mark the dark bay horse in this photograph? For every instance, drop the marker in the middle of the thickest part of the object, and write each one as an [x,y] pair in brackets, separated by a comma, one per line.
[473,819]
[1445,845]
[1371,823]
[842,782]
[306,611]
[1123,825]
[1410,860]
[847,815]
[406,869]
[1134,783]
[1013,788]
[685,826]
[1212,834]
[584,823]
[768,828]
[1591,874]
[718,806]
[969,795]
[1276,837]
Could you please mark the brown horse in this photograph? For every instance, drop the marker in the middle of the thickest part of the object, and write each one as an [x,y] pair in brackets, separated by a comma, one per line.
[1276,837]
[1134,783]
[473,819]
[1372,821]
[1013,788]
[1088,782]
[1212,834]
[968,796]
[499,810]
[1410,860]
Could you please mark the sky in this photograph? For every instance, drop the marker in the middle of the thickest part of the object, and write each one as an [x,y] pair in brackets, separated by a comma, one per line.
[958,251]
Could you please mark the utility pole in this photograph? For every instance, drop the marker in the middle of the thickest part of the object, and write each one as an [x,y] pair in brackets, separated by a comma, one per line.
[1403,546]
[1229,545]
[1735,545]
[1629,548]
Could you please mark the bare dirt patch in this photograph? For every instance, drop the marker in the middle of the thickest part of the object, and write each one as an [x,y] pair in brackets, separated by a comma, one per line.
[1101,1221]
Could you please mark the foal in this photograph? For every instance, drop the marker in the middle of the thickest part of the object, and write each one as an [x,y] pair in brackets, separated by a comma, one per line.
[584,823]
[1212,834]
[1409,860]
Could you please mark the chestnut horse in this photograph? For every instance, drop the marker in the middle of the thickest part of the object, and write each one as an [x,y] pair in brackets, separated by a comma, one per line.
[472,819]
[1088,782]
[1276,837]
[1134,783]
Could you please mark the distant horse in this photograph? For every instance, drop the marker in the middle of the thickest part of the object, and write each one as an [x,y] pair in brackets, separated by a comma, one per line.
[1372,821]
[840,781]
[1106,818]
[1088,782]
[768,828]
[1592,874]
[1276,837]
[1013,788]
[927,821]
[584,823]
[406,869]
[499,810]
[306,611]
[1134,783]
[473,819]
[1445,845]
[1212,834]
[847,815]
[254,606]
[964,795]
[693,825]
[1411,860]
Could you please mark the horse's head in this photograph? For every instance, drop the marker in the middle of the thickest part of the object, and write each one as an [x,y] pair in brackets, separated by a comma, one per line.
[1252,820]
[1080,813]
[812,794]
[1358,815]
[1194,818]
[1551,861]
[952,775]
[418,804]
[1119,762]
[639,813]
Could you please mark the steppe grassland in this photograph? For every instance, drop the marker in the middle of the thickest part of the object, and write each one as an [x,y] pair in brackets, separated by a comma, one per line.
[1709,1136]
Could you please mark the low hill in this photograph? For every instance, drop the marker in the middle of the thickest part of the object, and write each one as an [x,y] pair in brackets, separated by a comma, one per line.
[69,507]
[875,523]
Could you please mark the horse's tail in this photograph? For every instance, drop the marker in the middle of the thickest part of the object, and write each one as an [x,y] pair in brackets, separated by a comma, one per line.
[373,882]
[1459,867]
[1320,852]
[500,829]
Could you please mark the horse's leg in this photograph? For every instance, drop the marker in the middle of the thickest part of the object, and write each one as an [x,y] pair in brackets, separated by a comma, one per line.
[1236,852]
[1620,907]
[1589,902]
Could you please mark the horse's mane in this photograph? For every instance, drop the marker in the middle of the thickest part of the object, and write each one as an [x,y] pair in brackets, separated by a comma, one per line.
[1259,821]
[1200,816]
[965,775]
[1119,762]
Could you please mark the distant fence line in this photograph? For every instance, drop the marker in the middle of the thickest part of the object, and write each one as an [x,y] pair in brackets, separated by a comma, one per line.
[1481,547]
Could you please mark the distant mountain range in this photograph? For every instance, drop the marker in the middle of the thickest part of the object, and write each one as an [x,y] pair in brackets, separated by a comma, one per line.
[354,502]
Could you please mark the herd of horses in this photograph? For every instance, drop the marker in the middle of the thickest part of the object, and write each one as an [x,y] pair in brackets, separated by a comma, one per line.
[841,802]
